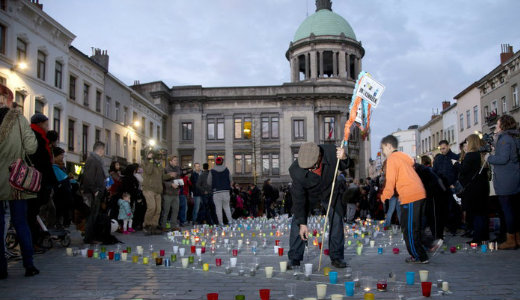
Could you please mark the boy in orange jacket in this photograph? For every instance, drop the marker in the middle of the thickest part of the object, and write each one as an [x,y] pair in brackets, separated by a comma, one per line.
[402,178]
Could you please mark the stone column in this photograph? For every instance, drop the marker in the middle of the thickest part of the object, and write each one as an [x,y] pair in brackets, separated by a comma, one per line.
[349,76]
[307,65]
[294,70]
[342,66]
[321,64]
[360,66]
[314,65]
[334,64]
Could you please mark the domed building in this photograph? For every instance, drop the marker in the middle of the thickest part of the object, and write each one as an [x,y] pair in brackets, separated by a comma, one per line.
[259,129]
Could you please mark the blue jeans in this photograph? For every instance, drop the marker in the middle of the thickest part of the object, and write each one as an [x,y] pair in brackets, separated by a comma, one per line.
[393,205]
[18,209]
[196,205]
[182,208]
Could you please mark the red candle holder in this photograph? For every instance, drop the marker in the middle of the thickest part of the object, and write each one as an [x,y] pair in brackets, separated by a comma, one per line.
[277,242]
[218,262]
[111,255]
[319,245]
[326,252]
[395,250]
[90,253]
[280,251]
[161,252]
[382,285]
[193,249]
[453,249]
[235,252]
[203,250]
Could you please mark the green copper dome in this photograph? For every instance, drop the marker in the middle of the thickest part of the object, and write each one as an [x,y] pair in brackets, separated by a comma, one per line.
[324,22]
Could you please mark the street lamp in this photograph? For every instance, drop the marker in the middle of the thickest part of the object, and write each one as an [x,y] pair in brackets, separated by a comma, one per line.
[22,65]
[137,124]
[151,142]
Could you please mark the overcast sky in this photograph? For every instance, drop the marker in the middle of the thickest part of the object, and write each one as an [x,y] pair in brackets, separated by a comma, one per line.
[423,51]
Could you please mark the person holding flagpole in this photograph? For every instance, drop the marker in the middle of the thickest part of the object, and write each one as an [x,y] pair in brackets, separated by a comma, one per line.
[312,177]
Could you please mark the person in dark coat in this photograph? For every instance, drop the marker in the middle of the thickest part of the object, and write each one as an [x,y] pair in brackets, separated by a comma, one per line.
[270,196]
[93,186]
[207,211]
[255,198]
[130,185]
[506,177]
[474,179]
[42,161]
[312,175]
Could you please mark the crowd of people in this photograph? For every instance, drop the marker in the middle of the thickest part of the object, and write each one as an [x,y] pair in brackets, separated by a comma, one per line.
[158,195]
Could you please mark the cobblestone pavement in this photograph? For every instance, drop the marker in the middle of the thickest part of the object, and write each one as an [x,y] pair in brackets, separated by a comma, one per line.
[471,274]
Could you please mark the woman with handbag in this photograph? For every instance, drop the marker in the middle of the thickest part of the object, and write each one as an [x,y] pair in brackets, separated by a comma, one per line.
[506,177]
[16,141]
[473,177]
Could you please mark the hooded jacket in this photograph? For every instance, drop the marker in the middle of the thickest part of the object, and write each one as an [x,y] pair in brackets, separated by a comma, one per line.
[506,167]
[216,178]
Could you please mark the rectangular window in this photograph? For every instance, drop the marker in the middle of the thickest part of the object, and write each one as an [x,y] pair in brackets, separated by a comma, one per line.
[242,128]
[461,122]
[238,131]
[212,157]
[299,129]
[107,142]
[72,88]
[248,163]
[468,122]
[86,91]
[187,131]
[186,161]
[117,111]
[514,90]
[134,118]
[271,164]
[97,135]
[504,105]
[40,66]
[125,147]
[265,164]
[494,107]
[239,164]
[215,129]
[2,38]
[84,141]
[108,104]
[270,127]
[275,164]
[38,106]
[70,138]
[125,115]
[486,111]
[143,125]
[98,101]
[3,4]
[150,130]
[158,136]
[475,115]
[58,74]
[163,129]
[56,122]
[328,128]
[21,50]
[118,143]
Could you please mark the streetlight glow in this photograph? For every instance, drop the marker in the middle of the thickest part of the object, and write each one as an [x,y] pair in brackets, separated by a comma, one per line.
[151,142]
[22,65]
[137,124]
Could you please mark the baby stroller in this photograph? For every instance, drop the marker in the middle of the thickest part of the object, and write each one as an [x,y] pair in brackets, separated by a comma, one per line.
[47,240]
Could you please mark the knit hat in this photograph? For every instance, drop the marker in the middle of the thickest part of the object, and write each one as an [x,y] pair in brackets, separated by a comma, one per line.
[38,118]
[56,151]
[308,155]
[219,161]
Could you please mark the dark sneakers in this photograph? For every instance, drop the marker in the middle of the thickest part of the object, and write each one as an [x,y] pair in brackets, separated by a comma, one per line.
[412,260]
[339,263]
[31,271]
[293,263]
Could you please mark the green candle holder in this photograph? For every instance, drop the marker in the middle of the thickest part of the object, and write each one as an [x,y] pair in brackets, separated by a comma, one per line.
[173,258]
[191,259]
[240,297]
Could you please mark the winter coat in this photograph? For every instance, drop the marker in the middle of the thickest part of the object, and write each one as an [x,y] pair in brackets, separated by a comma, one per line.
[194,178]
[202,183]
[506,168]
[476,185]
[93,178]
[124,210]
[219,173]
[445,169]
[310,189]
[168,180]
[11,147]
[153,176]
[42,159]
[352,195]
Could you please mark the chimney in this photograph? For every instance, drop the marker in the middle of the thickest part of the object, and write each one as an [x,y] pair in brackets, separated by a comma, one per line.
[445,105]
[101,57]
[507,53]
[37,3]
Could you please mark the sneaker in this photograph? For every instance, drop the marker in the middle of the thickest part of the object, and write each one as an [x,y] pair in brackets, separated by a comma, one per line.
[411,260]
[126,232]
[131,230]
[292,264]
[11,256]
[437,244]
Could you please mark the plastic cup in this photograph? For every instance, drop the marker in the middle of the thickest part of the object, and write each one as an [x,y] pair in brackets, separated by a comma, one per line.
[235,252]
[280,251]
[445,286]
[182,251]
[333,277]
[158,261]
[326,271]
[308,269]
[240,297]
[162,252]
[212,296]
[117,256]
[233,262]
[336,297]
[277,242]
[173,257]
[426,288]
[135,259]
[145,260]
[265,294]
[275,248]
[321,291]
[372,244]
[111,255]
[423,275]
[175,249]
[349,288]
[185,262]
[369,296]
[268,272]
[84,252]
[283,266]
[90,253]
[205,267]
[124,256]
[218,262]
[359,250]
[198,251]
[410,278]
[483,248]
[193,249]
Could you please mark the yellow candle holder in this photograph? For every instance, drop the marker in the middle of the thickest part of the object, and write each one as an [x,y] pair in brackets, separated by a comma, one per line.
[135,259]
[154,255]
[205,267]
[369,296]
[326,271]
[145,260]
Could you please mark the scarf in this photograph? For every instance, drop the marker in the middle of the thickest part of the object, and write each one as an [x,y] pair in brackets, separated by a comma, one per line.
[42,133]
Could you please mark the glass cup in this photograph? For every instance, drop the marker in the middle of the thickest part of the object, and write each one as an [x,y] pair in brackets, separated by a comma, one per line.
[291,290]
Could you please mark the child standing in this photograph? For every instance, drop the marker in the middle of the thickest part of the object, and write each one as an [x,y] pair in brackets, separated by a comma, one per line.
[125,213]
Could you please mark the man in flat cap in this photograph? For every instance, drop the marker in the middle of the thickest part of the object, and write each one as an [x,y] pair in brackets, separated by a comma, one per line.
[312,175]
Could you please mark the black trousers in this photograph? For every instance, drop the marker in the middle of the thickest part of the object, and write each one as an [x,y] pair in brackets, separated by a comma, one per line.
[336,235]
[411,216]
[435,210]
[95,203]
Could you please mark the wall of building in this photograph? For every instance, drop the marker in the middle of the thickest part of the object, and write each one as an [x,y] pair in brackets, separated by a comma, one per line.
[470,101]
